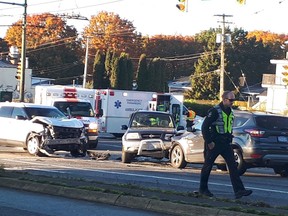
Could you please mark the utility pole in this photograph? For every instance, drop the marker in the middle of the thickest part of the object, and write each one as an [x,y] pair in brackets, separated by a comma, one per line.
[23,48]
[23,54]
[222,55]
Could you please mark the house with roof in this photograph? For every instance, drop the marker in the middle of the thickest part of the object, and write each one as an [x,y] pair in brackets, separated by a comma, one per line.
[9,85]
[277,90]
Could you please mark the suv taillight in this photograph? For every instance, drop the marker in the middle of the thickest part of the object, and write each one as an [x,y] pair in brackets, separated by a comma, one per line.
[255,132]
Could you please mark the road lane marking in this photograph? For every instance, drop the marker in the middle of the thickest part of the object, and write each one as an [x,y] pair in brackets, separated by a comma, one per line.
[134,175]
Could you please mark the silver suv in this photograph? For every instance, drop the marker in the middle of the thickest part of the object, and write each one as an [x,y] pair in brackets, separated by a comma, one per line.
[40,129]
[148,134]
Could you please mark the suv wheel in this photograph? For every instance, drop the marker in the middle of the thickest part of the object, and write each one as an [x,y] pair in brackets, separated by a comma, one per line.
[127,157]
[241,166]
[240,162]
[283,172]
[93,144]
[177,157]
[81,151]
[33,145]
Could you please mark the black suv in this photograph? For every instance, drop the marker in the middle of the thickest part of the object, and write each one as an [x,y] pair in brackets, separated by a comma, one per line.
[148,134]
[260,140]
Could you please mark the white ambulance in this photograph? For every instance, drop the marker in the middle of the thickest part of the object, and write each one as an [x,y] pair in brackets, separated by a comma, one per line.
[114,107]
[73,102]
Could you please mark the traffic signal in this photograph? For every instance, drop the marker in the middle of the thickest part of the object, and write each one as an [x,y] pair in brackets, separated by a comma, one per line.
[285,74]
[19,71]
[182,5]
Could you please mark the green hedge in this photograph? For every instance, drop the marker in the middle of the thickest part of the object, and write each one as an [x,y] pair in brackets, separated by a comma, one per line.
[200,107]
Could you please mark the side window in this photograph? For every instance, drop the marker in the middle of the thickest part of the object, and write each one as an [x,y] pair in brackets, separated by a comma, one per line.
[18,111]
[5,111]
[239,121]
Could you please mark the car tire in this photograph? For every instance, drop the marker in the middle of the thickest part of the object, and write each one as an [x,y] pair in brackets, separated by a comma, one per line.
[241,166]
[93,144]
[283,172]
[80,152]
[177,157]
[33,145]
[127,157]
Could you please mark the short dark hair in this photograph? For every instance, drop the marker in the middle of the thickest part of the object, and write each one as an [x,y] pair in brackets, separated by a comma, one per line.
[225,93]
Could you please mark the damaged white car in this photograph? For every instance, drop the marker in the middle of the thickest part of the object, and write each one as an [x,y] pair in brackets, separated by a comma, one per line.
[41,130]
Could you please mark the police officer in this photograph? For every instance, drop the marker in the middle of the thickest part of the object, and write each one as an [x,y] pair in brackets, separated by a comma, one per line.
[217,134]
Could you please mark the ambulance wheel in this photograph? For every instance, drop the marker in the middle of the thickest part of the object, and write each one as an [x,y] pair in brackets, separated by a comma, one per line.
[127,157]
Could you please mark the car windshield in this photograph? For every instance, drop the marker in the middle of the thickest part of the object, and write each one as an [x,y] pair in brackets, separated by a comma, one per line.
[43,111]
[152,120]
[75,108]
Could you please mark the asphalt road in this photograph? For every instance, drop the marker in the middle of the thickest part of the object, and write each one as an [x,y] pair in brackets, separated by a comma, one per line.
[267,187]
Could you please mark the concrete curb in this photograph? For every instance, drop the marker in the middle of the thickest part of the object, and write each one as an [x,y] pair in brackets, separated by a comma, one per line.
[165,207]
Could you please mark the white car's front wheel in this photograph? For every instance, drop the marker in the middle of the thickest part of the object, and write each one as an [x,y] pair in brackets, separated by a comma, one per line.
[33,144]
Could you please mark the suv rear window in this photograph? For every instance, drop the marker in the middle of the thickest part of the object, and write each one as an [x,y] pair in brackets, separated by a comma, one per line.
[272,122]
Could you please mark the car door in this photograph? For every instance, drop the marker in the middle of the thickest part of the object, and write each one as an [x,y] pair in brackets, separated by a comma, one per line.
[19,126]
[5,114]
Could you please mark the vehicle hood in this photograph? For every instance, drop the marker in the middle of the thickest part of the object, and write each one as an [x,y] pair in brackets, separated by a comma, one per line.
[73,123]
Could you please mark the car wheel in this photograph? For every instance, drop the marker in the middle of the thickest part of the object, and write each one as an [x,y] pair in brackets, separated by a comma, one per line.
[80,152]
[239,161]
[93,144]
[177,158]
[281,171]
[126,157]
[33,145]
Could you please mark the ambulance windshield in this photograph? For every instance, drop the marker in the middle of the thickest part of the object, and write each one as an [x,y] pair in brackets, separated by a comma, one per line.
[75,109]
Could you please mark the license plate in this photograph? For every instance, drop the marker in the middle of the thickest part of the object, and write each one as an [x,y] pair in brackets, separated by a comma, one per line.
[282,139]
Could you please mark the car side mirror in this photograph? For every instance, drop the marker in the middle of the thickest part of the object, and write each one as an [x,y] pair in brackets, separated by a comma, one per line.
[20,117]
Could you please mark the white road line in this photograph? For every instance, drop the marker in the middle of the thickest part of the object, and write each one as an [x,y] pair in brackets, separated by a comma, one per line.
[137,175]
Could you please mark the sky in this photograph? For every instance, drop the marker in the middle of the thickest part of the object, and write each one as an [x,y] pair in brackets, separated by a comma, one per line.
[154,17]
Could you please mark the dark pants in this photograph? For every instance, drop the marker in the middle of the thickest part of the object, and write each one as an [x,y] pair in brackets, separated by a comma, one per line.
[225,150]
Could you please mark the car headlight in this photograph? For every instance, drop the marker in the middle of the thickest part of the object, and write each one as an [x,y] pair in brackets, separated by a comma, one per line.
[93,125]
[131,136]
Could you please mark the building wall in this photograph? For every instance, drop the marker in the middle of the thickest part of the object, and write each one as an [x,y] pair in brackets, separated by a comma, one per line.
[277,94]
[8,82]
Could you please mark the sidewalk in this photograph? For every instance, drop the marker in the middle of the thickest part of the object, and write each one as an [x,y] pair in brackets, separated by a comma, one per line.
[131,196]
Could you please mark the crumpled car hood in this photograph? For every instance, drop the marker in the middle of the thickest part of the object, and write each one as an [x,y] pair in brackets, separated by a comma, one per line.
[73,123]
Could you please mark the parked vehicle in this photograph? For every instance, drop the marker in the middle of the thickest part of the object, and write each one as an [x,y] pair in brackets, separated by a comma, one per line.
[114,107]
[74,103]
[41,129]
[260,140]
[148,134]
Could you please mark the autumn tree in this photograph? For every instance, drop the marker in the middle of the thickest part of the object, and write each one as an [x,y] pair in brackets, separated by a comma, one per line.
[276,42]
[246,56]
[178,52]
[52,47]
